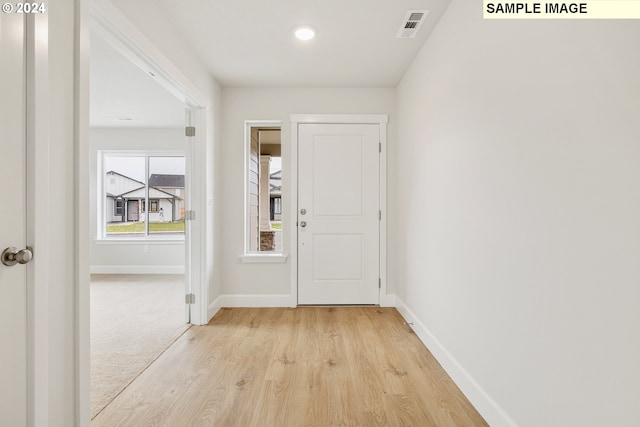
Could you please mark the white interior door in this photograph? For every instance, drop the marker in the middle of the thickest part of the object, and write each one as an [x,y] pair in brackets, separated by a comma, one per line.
[13,327]
[195,173]
[189,278]
[338,213]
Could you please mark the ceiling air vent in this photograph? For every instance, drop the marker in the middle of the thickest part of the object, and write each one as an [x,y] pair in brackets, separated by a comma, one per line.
[412,23]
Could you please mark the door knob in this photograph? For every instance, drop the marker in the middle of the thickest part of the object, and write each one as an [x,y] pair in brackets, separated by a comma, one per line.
[303,224]
[12,256]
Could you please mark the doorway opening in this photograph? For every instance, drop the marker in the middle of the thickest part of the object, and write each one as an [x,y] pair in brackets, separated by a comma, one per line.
[139,170]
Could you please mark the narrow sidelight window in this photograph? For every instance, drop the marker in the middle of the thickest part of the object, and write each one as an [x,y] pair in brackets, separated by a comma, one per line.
[264,189]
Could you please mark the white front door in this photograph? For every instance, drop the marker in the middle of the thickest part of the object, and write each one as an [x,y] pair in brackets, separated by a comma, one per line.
[13,313]
[338,208]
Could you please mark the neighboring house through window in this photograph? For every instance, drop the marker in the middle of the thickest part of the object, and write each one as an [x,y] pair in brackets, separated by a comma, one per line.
[134,181]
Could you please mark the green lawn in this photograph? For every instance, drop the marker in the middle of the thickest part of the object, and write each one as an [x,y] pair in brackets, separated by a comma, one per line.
[138,227]
[276,226]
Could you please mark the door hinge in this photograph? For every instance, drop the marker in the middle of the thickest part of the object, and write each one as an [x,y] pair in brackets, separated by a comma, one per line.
[190,215]
[379,147]
[190,131]
[190,299]
[379,215]
[379,283]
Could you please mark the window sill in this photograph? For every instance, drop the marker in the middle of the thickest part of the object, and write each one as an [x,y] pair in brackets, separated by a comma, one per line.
[263,258]
[139,241]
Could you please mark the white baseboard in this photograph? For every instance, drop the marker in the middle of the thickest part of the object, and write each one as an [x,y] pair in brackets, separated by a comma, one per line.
[387,300]
[136,269]
[213,308]
[484,404]
[269,301]
[254,301]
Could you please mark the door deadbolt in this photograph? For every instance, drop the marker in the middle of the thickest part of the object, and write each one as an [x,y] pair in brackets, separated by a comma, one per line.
[303,211]
[12,256]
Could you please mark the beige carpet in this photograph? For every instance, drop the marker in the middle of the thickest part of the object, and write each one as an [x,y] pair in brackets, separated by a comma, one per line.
[134,318]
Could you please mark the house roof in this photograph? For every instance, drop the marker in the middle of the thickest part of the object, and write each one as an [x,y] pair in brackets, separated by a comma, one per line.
[124,176]
[127,194]
[154,193]
[166,180]
[275,190]
[275,183]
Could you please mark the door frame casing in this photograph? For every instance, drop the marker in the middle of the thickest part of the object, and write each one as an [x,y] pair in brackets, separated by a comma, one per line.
[379,119]
[37,221]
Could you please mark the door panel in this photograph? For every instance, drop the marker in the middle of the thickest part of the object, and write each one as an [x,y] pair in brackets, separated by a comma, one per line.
[333,153]
[338,204]
[13,355]
[338,257]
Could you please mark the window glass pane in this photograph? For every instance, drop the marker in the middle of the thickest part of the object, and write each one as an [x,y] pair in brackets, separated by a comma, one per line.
[119,207]
[124,188]
[275,206]
[166,195]
[265,190]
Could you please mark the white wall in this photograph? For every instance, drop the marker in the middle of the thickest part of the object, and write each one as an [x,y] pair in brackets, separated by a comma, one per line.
[214,178]
[131,257]
[518,188]
[240,104]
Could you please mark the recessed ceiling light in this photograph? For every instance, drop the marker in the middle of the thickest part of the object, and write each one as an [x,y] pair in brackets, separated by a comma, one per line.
[304,32]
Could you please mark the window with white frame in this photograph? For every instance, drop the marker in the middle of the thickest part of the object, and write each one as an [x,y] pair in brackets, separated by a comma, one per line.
[131,182]
[264,189]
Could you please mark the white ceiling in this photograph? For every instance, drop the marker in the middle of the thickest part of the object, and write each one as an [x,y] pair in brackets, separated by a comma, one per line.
[250,42]
[121,90]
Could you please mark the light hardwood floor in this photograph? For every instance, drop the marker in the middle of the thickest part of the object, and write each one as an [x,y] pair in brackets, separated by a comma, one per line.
[306,366]
[134,318]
